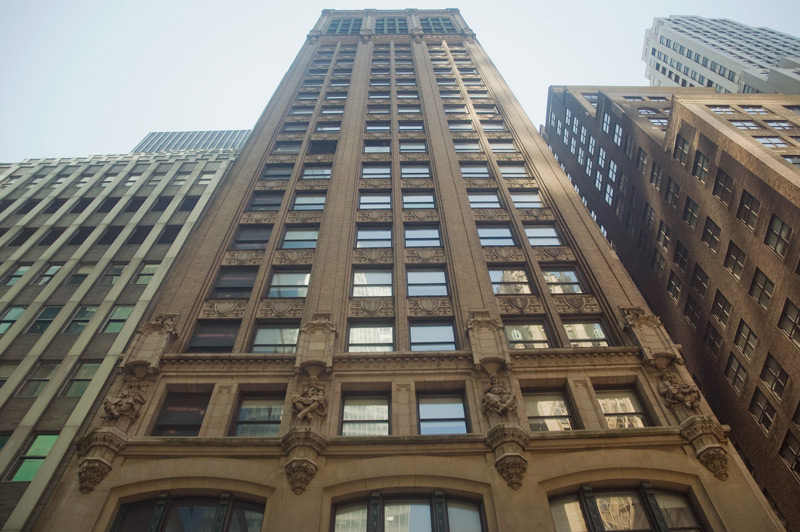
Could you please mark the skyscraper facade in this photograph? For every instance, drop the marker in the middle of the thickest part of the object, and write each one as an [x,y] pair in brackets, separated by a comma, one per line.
[84,245]
[691,51]
[398,316]
[699,194]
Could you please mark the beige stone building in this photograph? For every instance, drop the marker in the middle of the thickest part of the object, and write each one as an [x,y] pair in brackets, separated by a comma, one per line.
[398,316]
[698,193]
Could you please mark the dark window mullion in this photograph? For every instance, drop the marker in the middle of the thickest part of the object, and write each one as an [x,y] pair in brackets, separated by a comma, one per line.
[159,513]
[590,512]
[651,507]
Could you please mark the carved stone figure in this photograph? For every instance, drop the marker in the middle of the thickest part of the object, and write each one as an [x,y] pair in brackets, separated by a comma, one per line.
[497,399]
[677,393]
[91,473]
[127,403]
[311,402]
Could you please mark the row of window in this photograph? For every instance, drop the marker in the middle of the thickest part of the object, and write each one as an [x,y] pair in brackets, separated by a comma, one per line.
[133,205]
[179,179]
[76,325]
[138,236]
[110,277]
[39,377]
[391,25]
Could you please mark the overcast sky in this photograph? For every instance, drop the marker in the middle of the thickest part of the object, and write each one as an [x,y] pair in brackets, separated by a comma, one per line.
[86,77]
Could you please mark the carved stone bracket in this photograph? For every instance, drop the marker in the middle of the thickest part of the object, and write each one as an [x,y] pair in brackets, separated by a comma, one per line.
[487,339]
[303,447]
[149,344]
[91,472]
[648,332]
[99,448]
[508,443]
[706,436]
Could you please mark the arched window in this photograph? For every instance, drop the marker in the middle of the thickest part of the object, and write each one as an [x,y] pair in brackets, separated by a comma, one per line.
[641,509]
[190,514]
[436,513]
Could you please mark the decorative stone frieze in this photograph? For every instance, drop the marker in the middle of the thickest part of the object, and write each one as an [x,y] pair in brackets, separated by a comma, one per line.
[503,254]
[490,214]
[429,306]
[281,308]
[481,183]
[385,184]
[312,184]
[319,158]
[401,362]
[374,215]
[520,304]
[258,217]
[377,157]
[281,159]
[538,215]
[372,307]
[372,256]
[522,183]
[294,256]
[302,217]
[243,257]
[551,254]
[648,332]
[223,309]
[420,215]
[552,358]
[271,184]
[416,183]
[424,255]
[571,304]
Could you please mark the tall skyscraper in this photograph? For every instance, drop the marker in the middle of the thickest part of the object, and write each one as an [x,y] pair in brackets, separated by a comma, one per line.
[84,245]
[699,194]
[689,51]
[397,316]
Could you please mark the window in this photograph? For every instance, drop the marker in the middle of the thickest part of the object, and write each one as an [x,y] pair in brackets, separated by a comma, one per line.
[289,284]
[309,202]
[429,282]
[548,411]
[649,216]
[745,124]
[182,414]
[275,339]
[234,282]
[563,281]
[681,256]
[300,239]
[316,171]
[422,236]
[527,336]
[253,236]
[414,171]
[441,414]
[405,126]
[467,146]
[13,277]
[586,334]
[117,319]
[214,336]
[370,338]
[474,170]
[509,281]
[265,201]
[460,125]
[774,376]
[365,416]
[626,509]
[748,209]
[526,200]
[618,133]
[663,234]
[373,237]
[761,289]
[762,410]
[606,122]
[112,275]
[778,235]
[167,513]
[413,146]
[372,283]
[377,146]
[674,285]
[681,152]
[80,379]
[721,109]
[38,379]
[712,340]
[258,416]
[495,236]
[32,458]
[700,168]
[484,200]
[502,146]
[409,109]
[711,233]
[80,320]
[408,514]
[790,322]
[772,142]
[673,190]
[513,171]
[291,147]
[542,235]
[432,337]
[43,321]
[376,171]
[369,200]
[622,408]
[690,211]
[700,280]
[721,308]
[641,160]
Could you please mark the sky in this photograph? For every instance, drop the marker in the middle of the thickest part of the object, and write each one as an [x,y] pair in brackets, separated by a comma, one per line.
[90,77]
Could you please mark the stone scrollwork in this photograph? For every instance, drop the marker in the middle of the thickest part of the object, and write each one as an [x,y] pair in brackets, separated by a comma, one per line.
[512,468]
[498,400]
[677,393]
[312,402]
[715,460]
[92,471]
[300,473]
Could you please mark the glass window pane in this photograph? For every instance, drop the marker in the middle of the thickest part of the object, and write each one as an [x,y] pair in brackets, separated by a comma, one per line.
[676,510]
[192,515]
[464,516]
[622,511]
[411,516]
[246,517]
[567,514]
[351,518]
